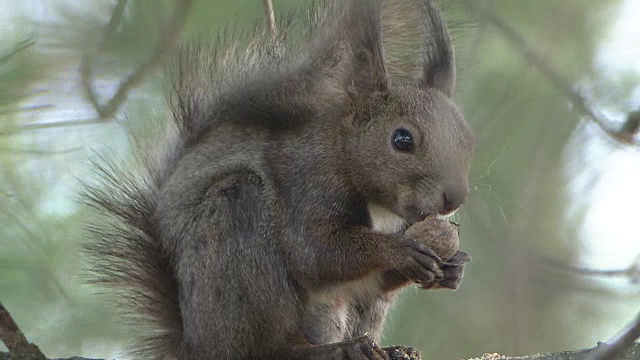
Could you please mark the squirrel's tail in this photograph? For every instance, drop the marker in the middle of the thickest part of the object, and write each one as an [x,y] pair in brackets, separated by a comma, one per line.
[124,252]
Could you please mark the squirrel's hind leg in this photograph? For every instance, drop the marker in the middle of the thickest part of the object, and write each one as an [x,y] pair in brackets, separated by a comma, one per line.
[362,348]
[235,298]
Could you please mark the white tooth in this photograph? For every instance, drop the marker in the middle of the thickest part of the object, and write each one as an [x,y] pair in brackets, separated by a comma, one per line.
[447,217]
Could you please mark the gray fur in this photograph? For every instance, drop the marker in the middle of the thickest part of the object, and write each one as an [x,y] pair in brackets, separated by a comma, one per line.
[250,236]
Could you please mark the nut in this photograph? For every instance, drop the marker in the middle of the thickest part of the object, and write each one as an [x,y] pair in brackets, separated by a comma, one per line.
[440,235]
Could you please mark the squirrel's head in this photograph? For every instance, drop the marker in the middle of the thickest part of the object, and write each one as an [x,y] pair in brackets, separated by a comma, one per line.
[413,150]
[408,145]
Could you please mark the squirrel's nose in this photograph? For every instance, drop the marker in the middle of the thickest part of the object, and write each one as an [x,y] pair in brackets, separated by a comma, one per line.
[454,197]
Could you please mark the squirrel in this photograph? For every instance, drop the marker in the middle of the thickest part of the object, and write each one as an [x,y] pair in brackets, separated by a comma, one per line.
[269,222]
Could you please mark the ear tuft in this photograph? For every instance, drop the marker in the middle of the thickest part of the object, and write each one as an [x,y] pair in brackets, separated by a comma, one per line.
[439,69]
[417,44]
[366,74]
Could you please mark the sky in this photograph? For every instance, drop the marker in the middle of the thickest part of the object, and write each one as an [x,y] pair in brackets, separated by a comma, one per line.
[605,188]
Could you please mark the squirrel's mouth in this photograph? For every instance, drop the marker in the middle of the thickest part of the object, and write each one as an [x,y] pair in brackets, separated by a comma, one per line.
[448,216]
[387,221]
[445,216]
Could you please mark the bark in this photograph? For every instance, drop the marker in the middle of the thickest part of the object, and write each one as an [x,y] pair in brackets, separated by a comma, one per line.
[631,354]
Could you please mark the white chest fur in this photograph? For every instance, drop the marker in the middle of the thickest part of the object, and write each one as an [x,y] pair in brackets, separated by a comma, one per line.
[384,220]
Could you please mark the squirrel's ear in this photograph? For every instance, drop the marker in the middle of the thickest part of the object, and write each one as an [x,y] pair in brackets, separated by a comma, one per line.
[417,44]
[346,48]
[365,69]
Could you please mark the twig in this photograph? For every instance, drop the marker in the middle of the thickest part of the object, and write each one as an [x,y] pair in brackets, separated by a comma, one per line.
[271,18]
[22,45]
[166,42]
[14,339]
[36,152]
[50,125]
[631,127]
[27,109]
[618,344]
[632,272]
[535,58]
[88,60]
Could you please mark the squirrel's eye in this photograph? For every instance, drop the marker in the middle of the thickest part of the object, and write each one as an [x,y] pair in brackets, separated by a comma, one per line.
[402,140]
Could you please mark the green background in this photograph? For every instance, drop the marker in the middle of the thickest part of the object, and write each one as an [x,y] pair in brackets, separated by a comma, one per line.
[513,300]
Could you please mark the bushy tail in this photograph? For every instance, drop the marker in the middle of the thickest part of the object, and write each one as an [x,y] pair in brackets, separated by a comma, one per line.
[415,39]
[124,254]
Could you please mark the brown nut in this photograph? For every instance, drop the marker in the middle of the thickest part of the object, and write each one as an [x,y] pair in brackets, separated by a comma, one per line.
[440,235]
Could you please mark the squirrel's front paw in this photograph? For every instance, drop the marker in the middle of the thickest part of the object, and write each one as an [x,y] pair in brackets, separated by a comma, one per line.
[402,353]
[418,262]
[452,270]
[363,348]
[441,237]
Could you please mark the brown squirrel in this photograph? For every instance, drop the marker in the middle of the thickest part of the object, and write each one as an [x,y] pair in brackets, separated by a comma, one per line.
[271,227]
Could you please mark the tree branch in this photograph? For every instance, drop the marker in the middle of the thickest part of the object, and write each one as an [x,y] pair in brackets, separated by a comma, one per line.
[618,344]
[88,60]
[51,125]
[168,39]
[632,272]
[626,134]
[38,152]
[14,339]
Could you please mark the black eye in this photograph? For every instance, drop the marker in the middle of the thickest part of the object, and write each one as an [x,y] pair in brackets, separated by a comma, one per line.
[402,140]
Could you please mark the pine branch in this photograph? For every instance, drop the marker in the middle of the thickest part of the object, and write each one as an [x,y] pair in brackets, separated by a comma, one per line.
[12,76]
[619,344]
[51,125]
[38,152]
[626,134]
[14,339]
[23,45]
[167,41]
[88,60]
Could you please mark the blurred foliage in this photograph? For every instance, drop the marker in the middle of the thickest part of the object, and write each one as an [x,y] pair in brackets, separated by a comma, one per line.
[509,302]
[14,75]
